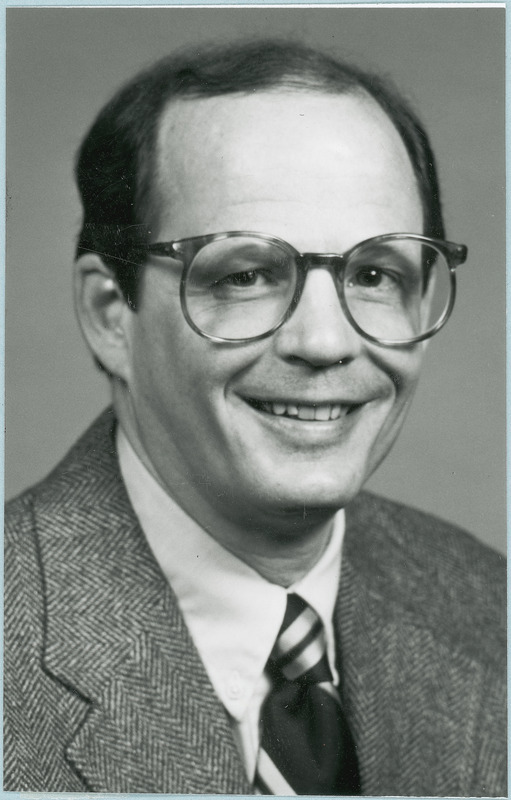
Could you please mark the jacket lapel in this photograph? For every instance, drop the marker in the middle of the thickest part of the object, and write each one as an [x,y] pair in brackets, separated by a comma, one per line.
[149,720]
[411,695]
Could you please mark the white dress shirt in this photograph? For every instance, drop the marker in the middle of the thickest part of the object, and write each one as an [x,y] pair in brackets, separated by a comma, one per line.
[232,612]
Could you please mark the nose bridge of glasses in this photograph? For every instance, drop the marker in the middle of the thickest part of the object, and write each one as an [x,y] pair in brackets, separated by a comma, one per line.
[333,264]
[331,261]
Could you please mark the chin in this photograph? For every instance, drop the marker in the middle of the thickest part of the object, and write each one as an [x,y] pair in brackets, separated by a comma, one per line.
[314,493]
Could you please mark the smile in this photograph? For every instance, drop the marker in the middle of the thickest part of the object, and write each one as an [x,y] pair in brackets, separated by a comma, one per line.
[317,412]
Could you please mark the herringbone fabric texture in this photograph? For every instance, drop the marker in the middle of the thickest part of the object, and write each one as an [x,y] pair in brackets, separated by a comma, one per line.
[306,745]
[105,692]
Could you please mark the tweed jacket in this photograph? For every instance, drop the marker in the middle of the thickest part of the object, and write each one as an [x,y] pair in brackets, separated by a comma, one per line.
[105,691]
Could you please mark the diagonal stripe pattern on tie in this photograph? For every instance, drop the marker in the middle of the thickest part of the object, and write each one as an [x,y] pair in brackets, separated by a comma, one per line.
[306,745]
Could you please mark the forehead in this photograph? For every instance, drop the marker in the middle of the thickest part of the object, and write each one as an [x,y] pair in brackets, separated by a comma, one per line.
[238,155]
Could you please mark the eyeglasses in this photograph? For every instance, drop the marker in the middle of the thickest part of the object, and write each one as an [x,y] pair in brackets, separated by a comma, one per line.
[240,286]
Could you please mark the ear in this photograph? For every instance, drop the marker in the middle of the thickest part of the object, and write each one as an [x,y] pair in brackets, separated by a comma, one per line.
[103,314]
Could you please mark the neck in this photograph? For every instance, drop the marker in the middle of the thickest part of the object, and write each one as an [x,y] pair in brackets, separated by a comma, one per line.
[282,560]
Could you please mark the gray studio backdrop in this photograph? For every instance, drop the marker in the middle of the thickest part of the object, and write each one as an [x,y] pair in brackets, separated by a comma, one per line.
[63,64]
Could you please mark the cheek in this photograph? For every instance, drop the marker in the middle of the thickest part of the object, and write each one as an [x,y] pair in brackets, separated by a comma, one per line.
[176,371]
[403,369]
[162,341]
[155,347]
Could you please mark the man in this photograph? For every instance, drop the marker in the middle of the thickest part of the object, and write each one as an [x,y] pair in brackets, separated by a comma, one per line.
[200,599]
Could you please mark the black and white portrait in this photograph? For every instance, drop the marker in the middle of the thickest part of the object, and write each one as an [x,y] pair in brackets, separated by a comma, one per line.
[255,396]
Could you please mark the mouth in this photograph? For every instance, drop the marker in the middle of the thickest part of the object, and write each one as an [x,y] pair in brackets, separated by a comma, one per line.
[309,412]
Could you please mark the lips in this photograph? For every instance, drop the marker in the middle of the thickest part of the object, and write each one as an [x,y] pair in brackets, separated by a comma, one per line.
[317,412]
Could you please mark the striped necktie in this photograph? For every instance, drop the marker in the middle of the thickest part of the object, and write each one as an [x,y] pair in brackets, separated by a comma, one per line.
[306,746]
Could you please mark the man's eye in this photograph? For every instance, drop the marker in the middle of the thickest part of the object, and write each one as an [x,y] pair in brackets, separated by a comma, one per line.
[247,278]
[373,278]
[369,277]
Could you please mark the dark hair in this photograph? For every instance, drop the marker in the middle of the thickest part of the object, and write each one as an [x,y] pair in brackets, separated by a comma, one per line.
[116,164]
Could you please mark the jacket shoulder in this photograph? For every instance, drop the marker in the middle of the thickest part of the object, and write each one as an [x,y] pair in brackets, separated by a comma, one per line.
[33,703]
[37,708]
[19,518]
[435,570]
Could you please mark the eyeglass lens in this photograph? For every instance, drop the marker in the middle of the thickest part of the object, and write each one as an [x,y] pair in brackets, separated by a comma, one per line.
[242,287]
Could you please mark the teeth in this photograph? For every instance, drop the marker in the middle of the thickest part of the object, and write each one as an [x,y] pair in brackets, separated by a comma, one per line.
[320,413]
[323,413]
[306,412]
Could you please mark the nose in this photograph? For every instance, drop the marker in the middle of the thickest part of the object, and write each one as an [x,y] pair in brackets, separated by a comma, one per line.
[318,332]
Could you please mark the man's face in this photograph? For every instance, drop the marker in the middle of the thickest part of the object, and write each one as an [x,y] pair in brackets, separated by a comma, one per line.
[322,172]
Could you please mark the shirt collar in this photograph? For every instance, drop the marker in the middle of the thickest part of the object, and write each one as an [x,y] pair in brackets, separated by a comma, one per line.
[232,612]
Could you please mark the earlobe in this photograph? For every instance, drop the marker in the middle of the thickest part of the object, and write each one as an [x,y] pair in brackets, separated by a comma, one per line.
[103,314]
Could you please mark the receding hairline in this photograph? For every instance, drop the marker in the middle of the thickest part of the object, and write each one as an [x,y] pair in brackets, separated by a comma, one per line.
[290,87]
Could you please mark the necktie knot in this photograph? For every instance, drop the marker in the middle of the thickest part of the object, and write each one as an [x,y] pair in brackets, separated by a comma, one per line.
[299,653]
